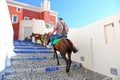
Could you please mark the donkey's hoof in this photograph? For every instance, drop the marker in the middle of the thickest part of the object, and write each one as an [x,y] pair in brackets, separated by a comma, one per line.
[68,73]
[58,64]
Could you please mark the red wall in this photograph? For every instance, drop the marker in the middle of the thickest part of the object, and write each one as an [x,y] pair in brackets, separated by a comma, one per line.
[53,19]
[47,17]
[30,14]
[16,30]
[13,11]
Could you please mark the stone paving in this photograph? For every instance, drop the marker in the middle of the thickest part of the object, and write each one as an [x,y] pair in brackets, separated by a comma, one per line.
[34,62]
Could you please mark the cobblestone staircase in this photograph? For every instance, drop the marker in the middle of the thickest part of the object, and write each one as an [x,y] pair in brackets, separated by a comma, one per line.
[34,62]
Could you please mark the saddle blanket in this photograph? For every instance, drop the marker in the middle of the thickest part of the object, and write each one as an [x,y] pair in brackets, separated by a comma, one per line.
[56,41]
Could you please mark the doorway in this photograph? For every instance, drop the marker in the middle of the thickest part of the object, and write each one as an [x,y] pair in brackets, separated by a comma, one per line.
[27,31]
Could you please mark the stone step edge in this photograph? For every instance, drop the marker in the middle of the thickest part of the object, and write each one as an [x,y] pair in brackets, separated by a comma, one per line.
[34,58]
[45,69]
[34,50]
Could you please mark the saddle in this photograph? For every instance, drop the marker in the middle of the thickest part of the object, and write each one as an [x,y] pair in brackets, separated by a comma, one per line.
[56,41]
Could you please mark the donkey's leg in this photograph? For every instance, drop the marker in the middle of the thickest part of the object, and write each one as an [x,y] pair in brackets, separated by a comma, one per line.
[41,42]
[69,60]
[35,41]
[66,60]
[56,55]
[57,59]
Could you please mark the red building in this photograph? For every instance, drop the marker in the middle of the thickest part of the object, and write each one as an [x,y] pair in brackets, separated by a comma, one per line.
[20,11]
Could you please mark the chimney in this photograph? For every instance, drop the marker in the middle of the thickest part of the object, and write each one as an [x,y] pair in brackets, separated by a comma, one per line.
[45,5]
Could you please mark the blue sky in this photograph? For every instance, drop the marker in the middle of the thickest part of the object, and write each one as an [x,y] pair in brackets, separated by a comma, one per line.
[79,13]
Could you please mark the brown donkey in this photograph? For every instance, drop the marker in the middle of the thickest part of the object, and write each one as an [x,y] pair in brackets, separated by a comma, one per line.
[65,47]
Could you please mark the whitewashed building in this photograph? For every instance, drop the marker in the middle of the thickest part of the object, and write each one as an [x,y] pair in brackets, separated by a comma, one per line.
[99,46]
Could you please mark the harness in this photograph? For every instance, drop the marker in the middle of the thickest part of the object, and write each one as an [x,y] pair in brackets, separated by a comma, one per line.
[64,30]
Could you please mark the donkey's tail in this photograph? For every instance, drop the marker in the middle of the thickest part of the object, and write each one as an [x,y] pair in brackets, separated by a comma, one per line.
[74,49]
[70,44]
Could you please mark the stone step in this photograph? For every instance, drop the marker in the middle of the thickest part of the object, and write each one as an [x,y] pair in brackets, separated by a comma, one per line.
[32,55]
[49,72]
[55,73]
[35,63]
[29,48]
[41,69]
[33,51]
[26,48]
[32,63]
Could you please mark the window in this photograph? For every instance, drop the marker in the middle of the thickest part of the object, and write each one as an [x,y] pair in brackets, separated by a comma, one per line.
[26,18]
[51,25]
[14,18]
[47,25]
[109,33]
[18,10]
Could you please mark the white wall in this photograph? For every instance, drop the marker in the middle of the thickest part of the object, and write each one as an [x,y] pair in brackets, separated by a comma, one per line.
[23,24]
[99,44]
[6,40]
[38,26]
